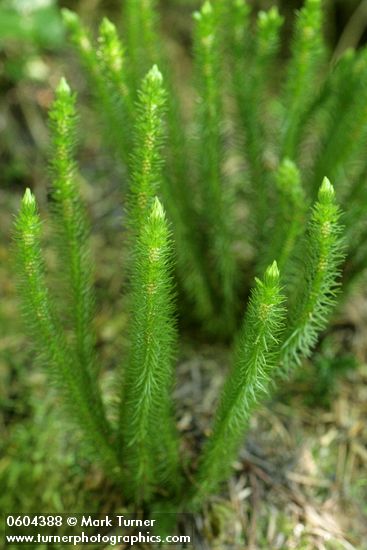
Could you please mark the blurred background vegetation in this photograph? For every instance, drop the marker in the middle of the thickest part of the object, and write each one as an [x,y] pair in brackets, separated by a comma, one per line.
[33,53]
[317,427]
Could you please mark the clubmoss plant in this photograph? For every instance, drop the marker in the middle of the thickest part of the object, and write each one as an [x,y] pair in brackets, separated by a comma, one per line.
[147,419]
[289,216]
[303,71]
[322,253]
[70,224]
[76,385]
[256,356]
[215,197]
[187,216]
[146,163]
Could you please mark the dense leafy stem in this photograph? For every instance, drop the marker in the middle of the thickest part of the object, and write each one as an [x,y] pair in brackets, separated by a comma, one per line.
[255,358]
[318,283]
[149,435]
[75,384]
